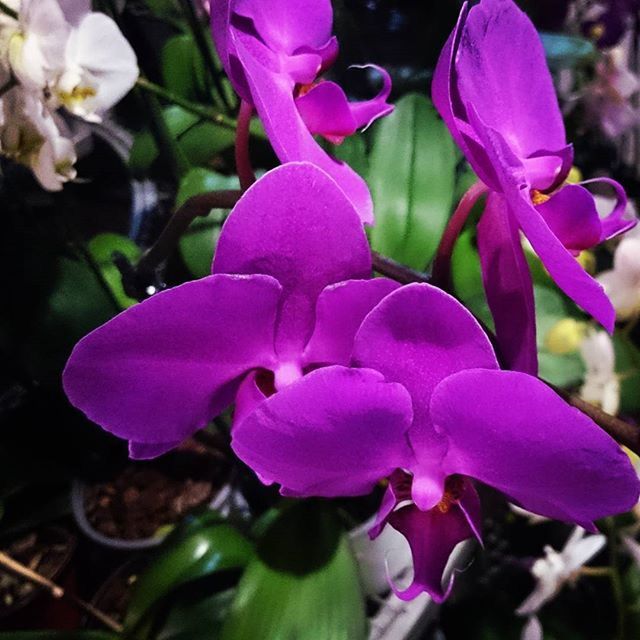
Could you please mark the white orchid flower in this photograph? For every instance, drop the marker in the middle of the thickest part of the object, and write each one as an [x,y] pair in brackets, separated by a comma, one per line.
[36,43]
[29,134]
[100,67]
[76,58]
[532,630]
[601,384]
[556,569]
[622,283]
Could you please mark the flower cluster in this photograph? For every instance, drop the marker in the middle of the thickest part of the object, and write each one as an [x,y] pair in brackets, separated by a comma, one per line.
[342,381]
[56,55]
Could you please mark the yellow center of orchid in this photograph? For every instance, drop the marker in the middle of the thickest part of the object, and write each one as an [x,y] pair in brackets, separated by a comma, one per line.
[452,493]
[537,197]
[76,95]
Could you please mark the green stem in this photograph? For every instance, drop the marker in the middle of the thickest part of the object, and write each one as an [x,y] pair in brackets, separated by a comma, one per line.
[8,11]
[616,581]
[206,51]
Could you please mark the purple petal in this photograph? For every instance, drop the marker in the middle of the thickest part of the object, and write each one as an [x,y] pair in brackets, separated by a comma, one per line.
[288,25]
[417,336]
[512,432]
[399,490]
[501,70]
[563,268]
[340,310]
[365,112]
[162,369]
[433,535]
[508,285]
[572,217]
[273,98]
[296,225]
[336,432]
[615,223]
[249,395]
[149,450]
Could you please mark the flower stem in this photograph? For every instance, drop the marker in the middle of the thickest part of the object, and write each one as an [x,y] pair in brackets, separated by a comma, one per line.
[136,278]
[441,273]
[8,11]
[396,271]
[56,591]
[243,161]
[199,110]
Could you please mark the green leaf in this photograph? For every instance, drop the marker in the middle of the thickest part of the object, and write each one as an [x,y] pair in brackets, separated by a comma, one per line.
[183,71]
[102,247]
[628,368]
[353,151]
[561,370]
[198,242]
[207,547]
[467,277]
[412,180]
[198,139]
[303,583]
[58,635]
[77,305]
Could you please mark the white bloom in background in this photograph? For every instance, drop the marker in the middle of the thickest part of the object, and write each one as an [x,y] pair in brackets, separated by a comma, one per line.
[622,283]
[100,68]
[556,569]
[62,55]
[601,384]
[30,135]
[532,630]
[36,43]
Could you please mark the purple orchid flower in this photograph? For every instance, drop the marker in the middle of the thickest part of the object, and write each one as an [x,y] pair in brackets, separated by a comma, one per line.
[289,289]
[493,89]
[426,405]
[273,53]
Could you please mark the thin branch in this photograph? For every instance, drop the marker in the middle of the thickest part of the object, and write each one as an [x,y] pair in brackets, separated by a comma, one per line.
[57,591]
[8,11]
[196,206]
[396,271]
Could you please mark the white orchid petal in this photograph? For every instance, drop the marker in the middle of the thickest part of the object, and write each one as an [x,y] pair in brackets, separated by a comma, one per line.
[532,630]
[579,553]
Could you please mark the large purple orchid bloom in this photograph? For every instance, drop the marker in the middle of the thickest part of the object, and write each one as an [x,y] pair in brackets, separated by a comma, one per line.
[495,92]
[426,404]
[289,289]
[273,53]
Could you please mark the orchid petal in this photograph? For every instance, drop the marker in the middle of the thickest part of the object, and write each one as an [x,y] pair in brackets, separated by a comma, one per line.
[296,225]
[512,432]
[433,535]
[287,25]
[273,98]
[417,336]
[508,285]
[615,222]
[340,311]
[163,368]
[562,266]
[335,432]
[149,450]
[501,70]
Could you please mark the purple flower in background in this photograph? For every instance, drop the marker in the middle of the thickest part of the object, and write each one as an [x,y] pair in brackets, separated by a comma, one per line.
[608,20]
[273,53]
[289,289]
[426,404]
[493,89]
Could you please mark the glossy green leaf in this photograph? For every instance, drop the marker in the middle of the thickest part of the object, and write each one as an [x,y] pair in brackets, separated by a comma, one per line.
[204,550]
[562,370]
[199,140]
[353,151]
[102,247]
[198,242]
[183,71]
[77,305]
[466,274]
[628,368]
[58,635]
[412,180]
[302,584]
